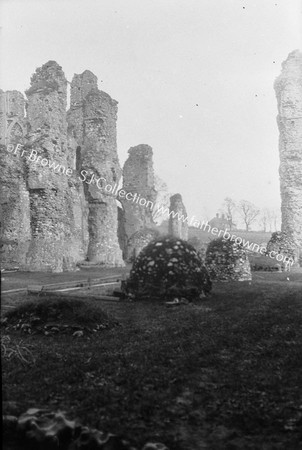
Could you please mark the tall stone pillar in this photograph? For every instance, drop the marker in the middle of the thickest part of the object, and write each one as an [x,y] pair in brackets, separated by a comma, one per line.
[288,87]
[50,204]
[177,227]
[92,120]
[138,208]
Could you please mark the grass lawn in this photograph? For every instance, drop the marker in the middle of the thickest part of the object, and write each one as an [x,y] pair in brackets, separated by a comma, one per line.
[225,373]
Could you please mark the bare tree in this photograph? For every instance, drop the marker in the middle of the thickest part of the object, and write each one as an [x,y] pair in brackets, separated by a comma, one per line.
[229,208]
[249,212]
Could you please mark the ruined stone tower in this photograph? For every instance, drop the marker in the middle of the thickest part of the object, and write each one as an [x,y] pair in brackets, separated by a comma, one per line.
[92,122]
[55,218]
[288,87]
[178,228]
[51,215]
[138,179]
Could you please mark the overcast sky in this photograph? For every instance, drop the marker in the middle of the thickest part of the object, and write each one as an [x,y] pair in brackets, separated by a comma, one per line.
[193,78]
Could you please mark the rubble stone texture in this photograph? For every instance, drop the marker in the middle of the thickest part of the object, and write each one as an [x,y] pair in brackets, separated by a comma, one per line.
[51,212]
[282,245]
[51,220]
[177,228]
[14,196]
[288,87]
[168,268]
[227,261]
[138,179]
[80,87]
[92,121]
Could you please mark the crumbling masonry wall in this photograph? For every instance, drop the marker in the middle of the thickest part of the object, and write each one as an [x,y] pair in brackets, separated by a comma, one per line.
[92,121]
[14,197]
[138,179]
[52,245]
[288,87]
[51,221]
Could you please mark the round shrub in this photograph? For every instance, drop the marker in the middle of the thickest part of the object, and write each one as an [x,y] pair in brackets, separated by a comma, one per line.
[227,260]
[167,268]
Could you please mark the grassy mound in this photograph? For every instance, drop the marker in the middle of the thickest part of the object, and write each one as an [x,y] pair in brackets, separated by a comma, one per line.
[51,316]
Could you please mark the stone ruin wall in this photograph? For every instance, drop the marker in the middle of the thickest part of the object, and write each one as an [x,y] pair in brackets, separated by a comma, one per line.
[137,219]
[14,195]
[288,87]
[92,121]
[178,228]
[51,221]
[52,245]
[137,222]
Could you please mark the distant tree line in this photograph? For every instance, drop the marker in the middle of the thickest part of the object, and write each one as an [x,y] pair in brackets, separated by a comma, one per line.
[267,218]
